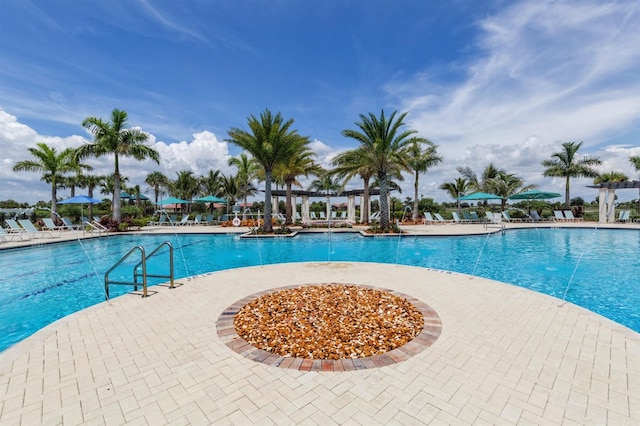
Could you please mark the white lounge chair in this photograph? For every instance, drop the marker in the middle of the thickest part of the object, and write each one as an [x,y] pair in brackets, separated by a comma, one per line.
[31,228]
[49,225]
[568,214]
[70,225]
[558,216]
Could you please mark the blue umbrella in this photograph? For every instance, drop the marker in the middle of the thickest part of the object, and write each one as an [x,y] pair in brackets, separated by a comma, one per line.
[80,199]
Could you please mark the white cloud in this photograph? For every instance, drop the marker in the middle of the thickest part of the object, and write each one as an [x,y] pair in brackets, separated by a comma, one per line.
[545,72]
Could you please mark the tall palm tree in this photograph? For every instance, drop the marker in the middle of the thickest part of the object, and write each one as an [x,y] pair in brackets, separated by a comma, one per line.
[90,182]
[384,146]
[271,142]
[456,189]
[422,155]
[115,138]
[299,164]
[349,164]
[157,181]
[566,164]
[635,161]
[247,171]
[210,183]
[52,165]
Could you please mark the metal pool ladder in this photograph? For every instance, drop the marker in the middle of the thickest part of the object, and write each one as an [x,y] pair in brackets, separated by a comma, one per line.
[140,269]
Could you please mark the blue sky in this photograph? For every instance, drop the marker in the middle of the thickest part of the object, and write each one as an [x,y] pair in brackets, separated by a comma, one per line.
[494,81]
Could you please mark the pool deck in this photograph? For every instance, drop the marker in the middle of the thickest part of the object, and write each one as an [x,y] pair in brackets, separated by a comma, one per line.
[506,355]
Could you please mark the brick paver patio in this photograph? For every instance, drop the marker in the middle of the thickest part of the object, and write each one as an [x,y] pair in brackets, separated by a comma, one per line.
[506,355]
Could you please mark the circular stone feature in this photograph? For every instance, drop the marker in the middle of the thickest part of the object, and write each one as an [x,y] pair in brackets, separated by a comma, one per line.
[328,322]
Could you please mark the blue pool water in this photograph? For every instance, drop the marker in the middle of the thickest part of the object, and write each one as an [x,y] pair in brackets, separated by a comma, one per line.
[39,285]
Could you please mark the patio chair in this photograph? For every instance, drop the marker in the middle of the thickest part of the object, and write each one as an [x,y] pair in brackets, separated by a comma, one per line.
[475,218]
[70,225]
[11,236]
[467,217]
[14,227]
[508,218]
[197,220]
[439,218]
[428,219]
[31,228]
[624,216]
[49,225]
[558,216]
[456,218]
[184,221]
[568,214]
[374,217]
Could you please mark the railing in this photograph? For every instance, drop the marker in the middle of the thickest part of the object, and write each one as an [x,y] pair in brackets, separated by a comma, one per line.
[95,226]
[140,270]
[137,274]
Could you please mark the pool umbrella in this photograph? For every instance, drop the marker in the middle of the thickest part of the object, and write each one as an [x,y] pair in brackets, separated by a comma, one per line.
[173,200]
[480,196]
[124,195]
[210,199]
[80,199]
[534,195]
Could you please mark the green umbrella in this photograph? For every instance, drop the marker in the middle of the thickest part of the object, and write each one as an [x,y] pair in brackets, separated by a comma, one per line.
[210,199]
[480,196]
[173,200]
[535,195]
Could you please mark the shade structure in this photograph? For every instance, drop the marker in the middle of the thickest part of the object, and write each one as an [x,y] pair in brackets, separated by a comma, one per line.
[125,194]
[80,199]
[210,199]
[535,195]
[173,200]
[480,196]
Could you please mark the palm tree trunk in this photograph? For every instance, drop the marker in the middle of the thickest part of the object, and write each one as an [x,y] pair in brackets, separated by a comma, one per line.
[268,227]
[414,216]
[287,213]
[384,203]
[567,201]
[365,201]
[116,192]
[54,199]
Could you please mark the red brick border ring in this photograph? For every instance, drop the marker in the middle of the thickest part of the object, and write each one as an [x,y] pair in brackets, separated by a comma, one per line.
[429,334]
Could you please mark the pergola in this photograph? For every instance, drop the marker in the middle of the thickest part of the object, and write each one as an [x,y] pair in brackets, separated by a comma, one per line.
[607,208]
[306,195]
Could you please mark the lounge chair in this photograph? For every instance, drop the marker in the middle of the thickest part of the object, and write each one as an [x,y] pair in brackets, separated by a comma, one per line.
[11,236]
[535,217]
[428,219]
[49,225]
[31,228]
[70,225]
[508,218]
[624,216]
[439,218]
[15,228]
[558,216]
[467,217]
[322,216]
[493,218]
[568,214]
[475,218]
[374,217]
[456,218]
[312,216]
[197,220]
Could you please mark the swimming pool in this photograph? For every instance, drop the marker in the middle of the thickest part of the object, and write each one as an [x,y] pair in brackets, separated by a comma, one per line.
[39,285]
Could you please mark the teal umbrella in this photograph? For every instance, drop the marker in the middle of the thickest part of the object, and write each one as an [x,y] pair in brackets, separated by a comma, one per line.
[210,199]
[535,195]
[480,196]
[173,200]
[125,195]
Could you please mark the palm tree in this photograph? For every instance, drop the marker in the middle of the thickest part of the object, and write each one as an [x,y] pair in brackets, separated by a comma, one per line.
[384,147]
[157,181]
[185,186]
[508,184]
[635,161]
[419,161]
[566,164]
[115,138]
[456,189]
[271,142]
[90,182]
[301,163]
[230,189]
[349,164]
[52,165]
[610,177]
[247,171]
[484,183]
